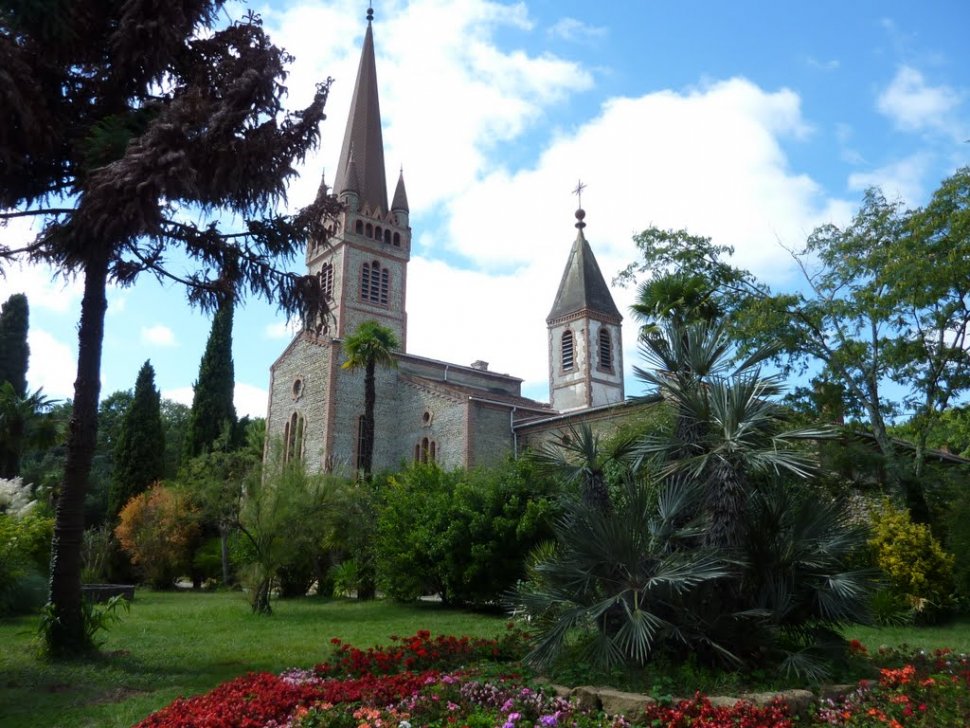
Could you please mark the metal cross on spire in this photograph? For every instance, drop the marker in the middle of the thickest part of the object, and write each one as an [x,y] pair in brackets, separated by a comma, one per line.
[580,212]
[579,192]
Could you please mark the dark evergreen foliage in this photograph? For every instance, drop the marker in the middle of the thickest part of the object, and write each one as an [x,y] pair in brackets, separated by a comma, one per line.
[114,117]
[140,451]
[14,351]
[213,411]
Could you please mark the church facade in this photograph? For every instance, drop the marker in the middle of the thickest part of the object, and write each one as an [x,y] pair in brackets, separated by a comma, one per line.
[457,415]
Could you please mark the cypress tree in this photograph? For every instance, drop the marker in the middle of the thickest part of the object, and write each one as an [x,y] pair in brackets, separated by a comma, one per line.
[140,452]
[213,412]
[14,351]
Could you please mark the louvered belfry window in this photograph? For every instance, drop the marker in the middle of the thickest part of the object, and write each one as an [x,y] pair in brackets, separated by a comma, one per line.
[567,350]
[606,349]
[374,283]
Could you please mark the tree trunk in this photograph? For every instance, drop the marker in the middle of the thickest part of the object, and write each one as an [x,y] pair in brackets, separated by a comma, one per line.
[67,633]
[367,435]
[224,552]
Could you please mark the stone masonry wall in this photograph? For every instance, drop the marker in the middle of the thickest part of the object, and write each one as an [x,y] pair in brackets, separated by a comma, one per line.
[306,363]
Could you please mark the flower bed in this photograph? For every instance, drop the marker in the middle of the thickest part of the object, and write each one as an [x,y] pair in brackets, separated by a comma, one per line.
[439,682]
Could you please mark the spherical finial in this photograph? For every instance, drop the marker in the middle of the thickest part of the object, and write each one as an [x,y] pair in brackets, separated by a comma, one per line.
[370,13]
[580,216]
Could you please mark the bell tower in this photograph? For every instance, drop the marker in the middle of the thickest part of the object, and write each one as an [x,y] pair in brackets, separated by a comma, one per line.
[364,265]
[585,344]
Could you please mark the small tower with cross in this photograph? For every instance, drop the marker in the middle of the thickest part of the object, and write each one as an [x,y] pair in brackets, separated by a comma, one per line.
[584,325]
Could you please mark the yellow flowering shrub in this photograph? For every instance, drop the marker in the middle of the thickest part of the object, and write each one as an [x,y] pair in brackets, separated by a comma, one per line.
[917,567]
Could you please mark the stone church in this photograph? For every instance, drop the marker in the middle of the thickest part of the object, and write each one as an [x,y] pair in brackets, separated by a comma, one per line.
[457,415]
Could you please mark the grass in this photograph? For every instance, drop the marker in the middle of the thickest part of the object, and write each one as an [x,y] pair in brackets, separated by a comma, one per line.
[954,634]
[174,644]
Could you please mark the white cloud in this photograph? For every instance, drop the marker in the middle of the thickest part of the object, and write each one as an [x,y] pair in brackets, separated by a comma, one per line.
[576,30]
[43,289]
[281,329]
[249,400]
[182,395]
[709,159]
[51,364]
[158,335]
[443,107]
[902,180]
[830,65]
[913,105]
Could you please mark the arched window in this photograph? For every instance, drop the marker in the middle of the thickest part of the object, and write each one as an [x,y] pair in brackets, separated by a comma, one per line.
[567,349]
[605,349]
[374,283]
[397,239]
[378,234]
[359,227]
[293,438]
[369,230]
[426,451]
[326,280]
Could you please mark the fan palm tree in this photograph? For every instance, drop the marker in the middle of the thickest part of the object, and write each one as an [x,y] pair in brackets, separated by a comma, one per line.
[370,344]
[678,298]
[625,579]
[578,457]
[729,430]
[25,422]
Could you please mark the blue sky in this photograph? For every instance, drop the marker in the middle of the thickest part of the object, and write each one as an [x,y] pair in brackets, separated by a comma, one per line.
[750,122]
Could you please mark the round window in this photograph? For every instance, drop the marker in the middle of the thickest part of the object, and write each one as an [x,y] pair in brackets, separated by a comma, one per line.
[297,388]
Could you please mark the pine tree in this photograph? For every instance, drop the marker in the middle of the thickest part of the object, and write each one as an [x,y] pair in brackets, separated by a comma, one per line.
[14,351]
[140,452]
[213,412]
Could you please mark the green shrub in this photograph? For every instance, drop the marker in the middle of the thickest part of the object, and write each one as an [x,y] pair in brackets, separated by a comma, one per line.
[958,543]
[463,536]
[207,560]
[917,568]
[24,558]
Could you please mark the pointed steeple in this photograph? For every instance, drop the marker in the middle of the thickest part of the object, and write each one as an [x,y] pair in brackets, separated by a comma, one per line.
[363,144]
[350,181]
[583,287]
[400,201]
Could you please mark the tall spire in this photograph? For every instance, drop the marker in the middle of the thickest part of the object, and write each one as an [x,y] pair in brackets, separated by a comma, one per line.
[363,142]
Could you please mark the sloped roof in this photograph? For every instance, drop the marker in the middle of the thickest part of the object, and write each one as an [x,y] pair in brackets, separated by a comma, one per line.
[400,201]
[583,287]
[465,392]
[363,141]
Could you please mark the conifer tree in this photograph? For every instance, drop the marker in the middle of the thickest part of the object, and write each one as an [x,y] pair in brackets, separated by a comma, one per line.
[140,452]
[14,351]
[213,411]
[115,118]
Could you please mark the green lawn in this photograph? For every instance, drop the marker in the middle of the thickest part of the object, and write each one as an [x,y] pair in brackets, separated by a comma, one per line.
[955,635]
[174,644]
